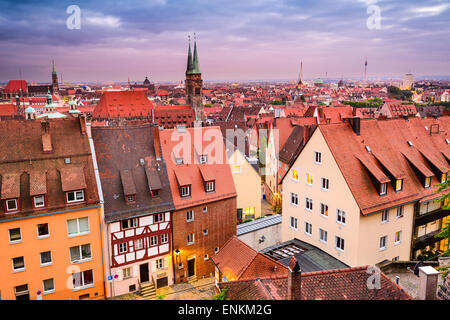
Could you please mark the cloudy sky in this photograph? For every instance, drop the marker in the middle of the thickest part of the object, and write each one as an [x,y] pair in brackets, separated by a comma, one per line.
[237,39]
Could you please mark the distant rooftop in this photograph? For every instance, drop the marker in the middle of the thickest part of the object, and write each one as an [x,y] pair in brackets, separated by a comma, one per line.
[310,258]
[258,224]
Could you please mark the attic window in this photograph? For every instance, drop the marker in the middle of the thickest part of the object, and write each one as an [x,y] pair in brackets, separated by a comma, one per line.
[383,189]
[446,140]
[131,198]
[443,177]
[67,160]
[141,161]
[368,149]
[11,205]
[179,160]
[410,143]
[399,185]
[203,159]
[427,182]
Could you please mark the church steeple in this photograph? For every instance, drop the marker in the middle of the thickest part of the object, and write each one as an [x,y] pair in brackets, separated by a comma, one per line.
[194,83]
[196,65]
[190,64]
[55,85]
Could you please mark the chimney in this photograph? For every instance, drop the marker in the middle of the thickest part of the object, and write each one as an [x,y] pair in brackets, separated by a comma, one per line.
[294,280]
[157,142]
[46,137]
[356,125]
[428,277]
[83,124]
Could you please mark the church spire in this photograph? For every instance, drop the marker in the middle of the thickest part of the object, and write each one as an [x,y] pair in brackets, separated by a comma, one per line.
[53,64]
[190,65]
[196,65]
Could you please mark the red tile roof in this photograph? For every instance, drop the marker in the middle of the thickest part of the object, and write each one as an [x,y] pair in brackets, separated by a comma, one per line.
[123,104]
[14,86]
[8,109]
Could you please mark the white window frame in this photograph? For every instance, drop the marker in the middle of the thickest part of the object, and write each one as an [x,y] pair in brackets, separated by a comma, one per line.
[45,263]
[322,206]
[164,238]
[78,233]
[210,186]
[18,269]
[185,191]
[159,217]
[159,263]
[294,196]
[383,243]
[385,216]
[322,233]
[205,209]
[327,183]
[131,223]
[427,182]
[295,220]
[123,247]
[80,251]
[317,153]
[189,215]
[203,159]
[308,201]
[192,240]
[383,189]
[48,291]
[8,209]
[76,193]
[308,231]
[206,257]
[14,241]
[396,242]
[400,210]
[127,273]
[140,242]
[83,285]
[205,232]
[341,241]
[312,179]
[295,174]
[153,241]
[45,235]
[43,201]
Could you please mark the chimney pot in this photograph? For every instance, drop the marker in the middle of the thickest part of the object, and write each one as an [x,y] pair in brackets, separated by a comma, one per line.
[428,277]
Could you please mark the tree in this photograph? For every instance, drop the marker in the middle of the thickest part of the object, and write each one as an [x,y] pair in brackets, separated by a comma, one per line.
[222,295]
[445,198]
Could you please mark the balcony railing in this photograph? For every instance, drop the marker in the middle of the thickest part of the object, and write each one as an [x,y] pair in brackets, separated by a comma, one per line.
[426,240]
[420,220]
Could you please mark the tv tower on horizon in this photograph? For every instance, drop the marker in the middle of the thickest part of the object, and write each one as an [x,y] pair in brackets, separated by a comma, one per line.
[365,71]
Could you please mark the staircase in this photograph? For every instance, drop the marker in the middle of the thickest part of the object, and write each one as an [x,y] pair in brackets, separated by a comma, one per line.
[148,290]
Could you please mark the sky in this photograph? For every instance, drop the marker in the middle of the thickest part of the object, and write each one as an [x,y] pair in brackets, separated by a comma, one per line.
[237,39]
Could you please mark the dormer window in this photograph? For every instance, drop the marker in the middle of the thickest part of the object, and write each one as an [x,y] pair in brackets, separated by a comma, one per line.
[39,201]
[155,193]
[185,191]
[75,196]
[11,205]
[179,161]
[210,186]
[130,198]
[443,177]
[383,189]
[203,159]
[427,182]
[399,185]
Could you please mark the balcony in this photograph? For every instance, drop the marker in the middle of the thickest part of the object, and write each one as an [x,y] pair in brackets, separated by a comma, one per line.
[420,220]
[426,240]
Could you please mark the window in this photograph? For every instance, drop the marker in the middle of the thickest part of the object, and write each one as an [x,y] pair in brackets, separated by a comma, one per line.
[427,182]
[216,249]
[189,215]
[48,285]
[123,247]
[383,189]
[130,223]
[46,258]
[22,292]
[294,223]
[397,258]
[294,198]
[42,230]
[179,161]
[325,184]
[384,216]
[164,238]
[308,204]
[398,237]
[126,273]
[131,198]
[443,178]
[339,243]
[11,205]
[190,238]
[159,264]
[153,240]
[75,196]
[383,241]
[324,210]
[14,235]
[205,257]
[180,265]
[76,227]
[295,174]
[155,193]
[205,209]
[236,169]
[83,252]
[205,232]
[399,185]
[203,159]
[317,157]
[308,228]
[159,217]
[39,201]
[138,244]
[18,264]
[186,191]
[210,186]
[82,279]
[400,212]
[323,235]
[309,179]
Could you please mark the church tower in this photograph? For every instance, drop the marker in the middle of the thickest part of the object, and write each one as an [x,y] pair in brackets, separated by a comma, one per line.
[194,83]
[55,86]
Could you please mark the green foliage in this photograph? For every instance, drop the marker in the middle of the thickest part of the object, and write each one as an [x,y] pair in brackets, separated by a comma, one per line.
[397,93]
[277,102]
[161,297]
[208,105]
[302,97]
[370,103]
[445,198]
[222,295]
[444,271]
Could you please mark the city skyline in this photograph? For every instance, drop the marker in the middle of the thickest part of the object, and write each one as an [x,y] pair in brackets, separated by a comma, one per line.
[260,40]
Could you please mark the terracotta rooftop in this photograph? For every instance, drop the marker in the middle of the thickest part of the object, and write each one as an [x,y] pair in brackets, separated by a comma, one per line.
[123,104]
